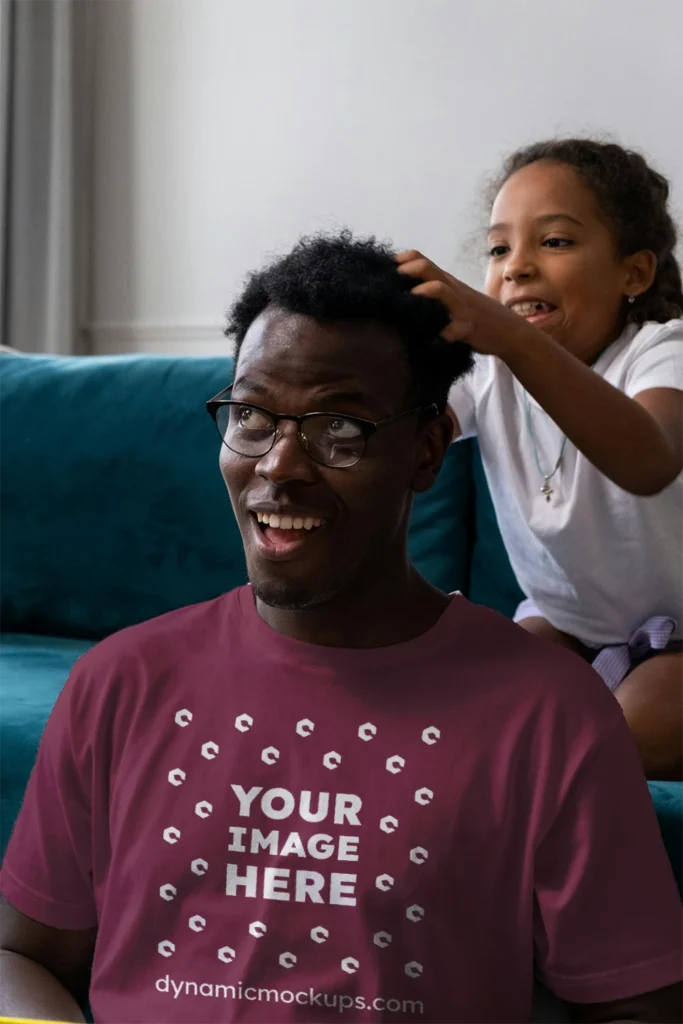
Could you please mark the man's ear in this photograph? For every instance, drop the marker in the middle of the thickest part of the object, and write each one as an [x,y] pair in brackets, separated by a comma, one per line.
[434,441]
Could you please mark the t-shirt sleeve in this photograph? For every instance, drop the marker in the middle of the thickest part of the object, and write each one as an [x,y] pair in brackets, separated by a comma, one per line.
[660,364]
[462,399]
[47,870]
[607,914]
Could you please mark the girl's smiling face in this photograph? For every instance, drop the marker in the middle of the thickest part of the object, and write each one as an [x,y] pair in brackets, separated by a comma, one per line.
[554,260]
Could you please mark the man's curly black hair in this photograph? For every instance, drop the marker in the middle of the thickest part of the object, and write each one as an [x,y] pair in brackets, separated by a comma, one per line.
[339,277]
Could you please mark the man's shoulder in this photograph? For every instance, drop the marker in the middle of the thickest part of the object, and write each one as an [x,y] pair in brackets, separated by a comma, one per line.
[513,661]
[164,640]
[130,677]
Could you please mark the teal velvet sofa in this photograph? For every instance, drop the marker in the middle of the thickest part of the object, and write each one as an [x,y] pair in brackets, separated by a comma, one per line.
[113,511]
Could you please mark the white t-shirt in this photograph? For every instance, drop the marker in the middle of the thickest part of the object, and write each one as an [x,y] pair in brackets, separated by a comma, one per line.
[597,561]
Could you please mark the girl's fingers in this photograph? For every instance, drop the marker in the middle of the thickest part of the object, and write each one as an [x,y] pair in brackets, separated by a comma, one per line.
[437,284]
[408,254]
[414,264]
[460,326]
[439,289]
[419,266]
[457,330]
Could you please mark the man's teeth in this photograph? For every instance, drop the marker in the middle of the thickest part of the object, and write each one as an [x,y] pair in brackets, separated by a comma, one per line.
[531,308]
[288,522]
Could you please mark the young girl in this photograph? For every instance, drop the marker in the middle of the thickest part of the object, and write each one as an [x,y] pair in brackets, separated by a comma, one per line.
[576,399]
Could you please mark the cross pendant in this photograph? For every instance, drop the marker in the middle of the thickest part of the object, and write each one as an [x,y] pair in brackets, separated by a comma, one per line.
[547,490]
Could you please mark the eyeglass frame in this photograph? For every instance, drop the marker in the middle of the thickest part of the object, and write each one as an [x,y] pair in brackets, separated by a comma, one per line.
[367,427]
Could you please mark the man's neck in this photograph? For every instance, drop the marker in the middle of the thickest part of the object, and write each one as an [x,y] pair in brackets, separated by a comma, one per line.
[389,612]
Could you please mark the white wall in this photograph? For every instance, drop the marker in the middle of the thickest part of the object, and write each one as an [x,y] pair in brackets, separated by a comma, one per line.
[225,128]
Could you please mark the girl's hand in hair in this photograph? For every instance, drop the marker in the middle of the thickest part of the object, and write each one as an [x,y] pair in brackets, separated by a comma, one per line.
[486,325]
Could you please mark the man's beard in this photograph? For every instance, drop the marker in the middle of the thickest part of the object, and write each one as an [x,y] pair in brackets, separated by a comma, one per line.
[294,597]
[288,597]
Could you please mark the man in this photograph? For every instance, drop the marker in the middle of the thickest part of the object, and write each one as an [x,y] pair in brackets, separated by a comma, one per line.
[336,794]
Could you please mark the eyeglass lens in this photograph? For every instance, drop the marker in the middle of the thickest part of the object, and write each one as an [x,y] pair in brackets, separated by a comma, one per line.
[330,440]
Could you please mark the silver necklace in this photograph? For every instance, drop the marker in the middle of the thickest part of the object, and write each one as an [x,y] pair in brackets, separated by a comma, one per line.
[546,489]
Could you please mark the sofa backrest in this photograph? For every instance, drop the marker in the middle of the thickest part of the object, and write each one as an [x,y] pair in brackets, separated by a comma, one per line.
[491,579]
[113,509]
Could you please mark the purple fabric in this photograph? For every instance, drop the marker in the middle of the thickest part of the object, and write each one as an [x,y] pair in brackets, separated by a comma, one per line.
[615,662]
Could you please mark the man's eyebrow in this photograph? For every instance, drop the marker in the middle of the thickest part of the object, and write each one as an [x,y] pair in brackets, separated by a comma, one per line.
[546,218]
[352,397]
[329,397]
[250,385]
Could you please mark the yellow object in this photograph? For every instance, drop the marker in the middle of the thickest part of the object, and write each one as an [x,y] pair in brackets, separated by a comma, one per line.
[28,1020]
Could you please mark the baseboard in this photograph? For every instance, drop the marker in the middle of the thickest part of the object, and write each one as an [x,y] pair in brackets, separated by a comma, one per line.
[158,339]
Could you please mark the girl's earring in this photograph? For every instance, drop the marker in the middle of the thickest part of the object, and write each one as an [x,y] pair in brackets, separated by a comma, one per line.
[631,299]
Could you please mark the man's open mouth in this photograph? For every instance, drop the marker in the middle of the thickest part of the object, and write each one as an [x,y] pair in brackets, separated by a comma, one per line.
[285,522]
[282,536]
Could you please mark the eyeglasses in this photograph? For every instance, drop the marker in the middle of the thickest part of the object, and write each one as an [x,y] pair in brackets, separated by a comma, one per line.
[330,439]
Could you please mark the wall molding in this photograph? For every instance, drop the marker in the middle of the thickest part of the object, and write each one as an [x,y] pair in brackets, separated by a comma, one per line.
[203,339]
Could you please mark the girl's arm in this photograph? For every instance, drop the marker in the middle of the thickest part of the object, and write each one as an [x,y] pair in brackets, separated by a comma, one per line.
[636,442]
[44,971]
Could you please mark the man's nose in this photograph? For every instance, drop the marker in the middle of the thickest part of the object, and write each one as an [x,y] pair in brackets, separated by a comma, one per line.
[287,460]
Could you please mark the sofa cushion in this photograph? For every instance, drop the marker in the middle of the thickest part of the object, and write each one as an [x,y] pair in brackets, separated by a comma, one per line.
[668,801]
[33,670]
[440,537]
[113,508]
[492,581]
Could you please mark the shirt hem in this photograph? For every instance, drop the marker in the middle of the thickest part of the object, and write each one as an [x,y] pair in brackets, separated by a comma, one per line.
[621,983]
[43,909]
[582,629]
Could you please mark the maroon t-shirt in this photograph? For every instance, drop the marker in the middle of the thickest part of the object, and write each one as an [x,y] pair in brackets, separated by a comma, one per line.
[265,830]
